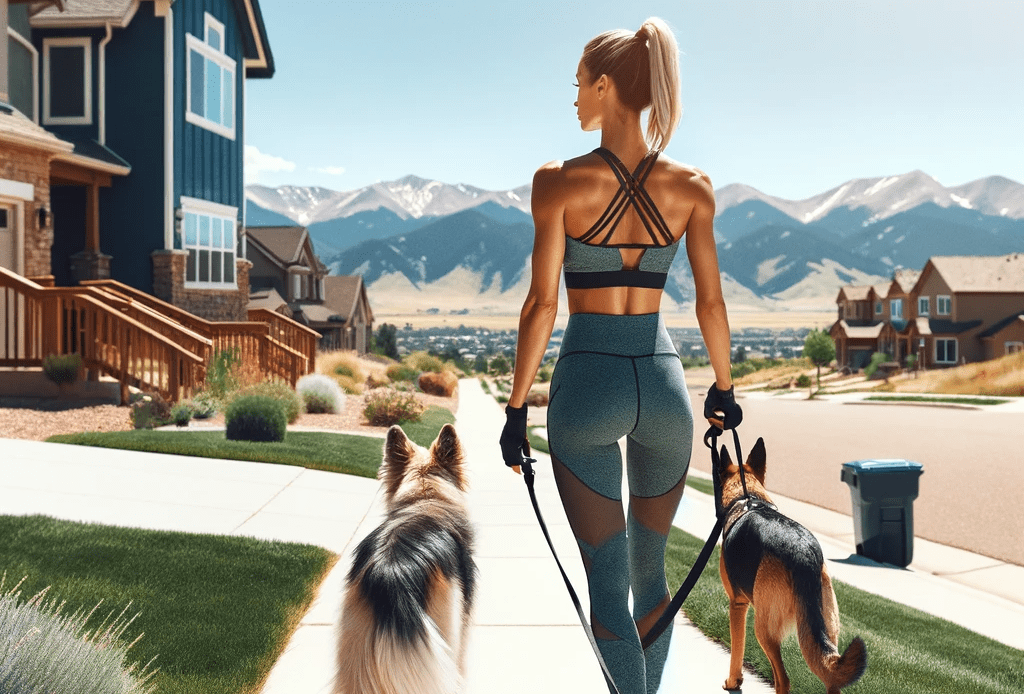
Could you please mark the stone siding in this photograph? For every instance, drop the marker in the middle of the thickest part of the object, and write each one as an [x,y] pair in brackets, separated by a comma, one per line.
[32,166]
[211,304]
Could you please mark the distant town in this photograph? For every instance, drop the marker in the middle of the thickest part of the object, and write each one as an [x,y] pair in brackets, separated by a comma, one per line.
[470,342]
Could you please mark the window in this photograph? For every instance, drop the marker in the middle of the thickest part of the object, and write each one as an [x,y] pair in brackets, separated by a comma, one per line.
[1014,347]
[211,81]
[896,308]
[945,350]
[878,308]
[923,306]
[208,234]
[943,305]
[67,81]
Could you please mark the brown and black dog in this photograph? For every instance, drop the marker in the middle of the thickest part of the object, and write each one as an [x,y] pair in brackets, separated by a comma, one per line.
[409,594]
[775,564]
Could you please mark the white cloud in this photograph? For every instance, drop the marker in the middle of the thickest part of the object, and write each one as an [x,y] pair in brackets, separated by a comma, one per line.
[256,162]
[331,170]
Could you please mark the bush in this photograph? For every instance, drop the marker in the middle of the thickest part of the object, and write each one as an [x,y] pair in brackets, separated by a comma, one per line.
[375,381]
[320,394]
[544,374]
[62,369]
[255,418]
[204,405]
[387,406]
[282,392]
[442,384]
[181,414]
[220,374]
[537,398]
[876,359]
[402,372]
[43,650]
[424,361]
[803,381]
[148,410]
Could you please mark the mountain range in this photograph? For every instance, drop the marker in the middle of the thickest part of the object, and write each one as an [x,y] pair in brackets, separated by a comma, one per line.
[426,237]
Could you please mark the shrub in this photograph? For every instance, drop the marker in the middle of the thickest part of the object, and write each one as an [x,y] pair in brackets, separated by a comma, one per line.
[320,394]
[204,405]
[500,365]
[424,361]
[803,381]
[255,418]
[62,369]
[876,359]
[149,410]
[386,406]
[402,372]
[220,374]
[341,363]
[537,398]
[433,383]
[282,392]
[544,374]
[375,381]
[44,650]
[181,414]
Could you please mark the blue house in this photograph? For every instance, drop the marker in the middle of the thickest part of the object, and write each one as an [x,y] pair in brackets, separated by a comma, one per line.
[150,93]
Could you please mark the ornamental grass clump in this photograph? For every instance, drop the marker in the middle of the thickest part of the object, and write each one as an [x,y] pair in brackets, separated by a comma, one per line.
[282,392]
[148,410]
[45,651]
[386,406]
[62,369]
[255,418]
[320,394]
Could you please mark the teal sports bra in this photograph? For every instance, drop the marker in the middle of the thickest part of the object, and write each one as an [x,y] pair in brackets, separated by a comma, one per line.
[593,261]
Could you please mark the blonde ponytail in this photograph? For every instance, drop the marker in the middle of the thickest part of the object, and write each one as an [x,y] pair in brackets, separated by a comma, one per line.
[645,69]
[666,102]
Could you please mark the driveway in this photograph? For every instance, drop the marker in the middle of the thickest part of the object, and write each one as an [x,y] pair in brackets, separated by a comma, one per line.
[970,489]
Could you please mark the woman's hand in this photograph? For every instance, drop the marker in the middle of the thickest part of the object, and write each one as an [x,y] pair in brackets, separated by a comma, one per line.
[721,409]
[514,444]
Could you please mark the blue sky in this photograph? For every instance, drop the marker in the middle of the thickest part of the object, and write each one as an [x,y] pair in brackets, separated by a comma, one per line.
[791,97]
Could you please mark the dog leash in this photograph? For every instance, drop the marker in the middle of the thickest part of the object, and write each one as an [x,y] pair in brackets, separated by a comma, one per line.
[691,578]
[528,476]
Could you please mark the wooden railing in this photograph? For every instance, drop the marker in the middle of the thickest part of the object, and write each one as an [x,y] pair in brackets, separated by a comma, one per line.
[37,321]
[282,348]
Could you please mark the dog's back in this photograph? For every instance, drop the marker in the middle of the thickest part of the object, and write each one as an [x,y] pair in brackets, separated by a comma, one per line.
[410,589]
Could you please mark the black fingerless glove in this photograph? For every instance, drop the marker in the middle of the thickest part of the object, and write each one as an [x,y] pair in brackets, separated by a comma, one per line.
[723,401]
[514,445]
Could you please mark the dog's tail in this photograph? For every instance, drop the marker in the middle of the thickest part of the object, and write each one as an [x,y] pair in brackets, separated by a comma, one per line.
[818,635]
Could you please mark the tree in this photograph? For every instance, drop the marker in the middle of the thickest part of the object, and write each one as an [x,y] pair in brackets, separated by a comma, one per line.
[741,354]
[480,363]
[500,365]
[820,349]
[385,341]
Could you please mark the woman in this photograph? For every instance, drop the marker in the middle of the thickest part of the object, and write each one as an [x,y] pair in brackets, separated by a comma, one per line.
[614,219]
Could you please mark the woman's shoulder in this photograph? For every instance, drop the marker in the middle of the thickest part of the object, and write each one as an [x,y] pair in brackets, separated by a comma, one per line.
[687,178]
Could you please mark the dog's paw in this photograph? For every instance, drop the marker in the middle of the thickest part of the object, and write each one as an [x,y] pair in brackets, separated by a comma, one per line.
[732,684]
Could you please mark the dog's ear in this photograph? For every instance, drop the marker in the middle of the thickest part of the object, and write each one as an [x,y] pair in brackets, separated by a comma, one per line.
[446,455]
[724,460]
[398,451]
[757,460]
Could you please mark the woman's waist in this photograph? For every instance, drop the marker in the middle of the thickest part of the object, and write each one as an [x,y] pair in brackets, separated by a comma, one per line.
[629,335]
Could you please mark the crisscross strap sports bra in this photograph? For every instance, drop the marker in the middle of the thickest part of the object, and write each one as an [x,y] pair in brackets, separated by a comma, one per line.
[593,260]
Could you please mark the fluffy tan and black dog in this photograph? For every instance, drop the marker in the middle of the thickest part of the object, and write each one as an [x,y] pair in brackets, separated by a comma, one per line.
[775,564]
[410,590]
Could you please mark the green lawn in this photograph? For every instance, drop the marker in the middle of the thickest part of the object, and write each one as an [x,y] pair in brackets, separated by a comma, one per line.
[345,453]
[947,399]
[216,611]
[909,652]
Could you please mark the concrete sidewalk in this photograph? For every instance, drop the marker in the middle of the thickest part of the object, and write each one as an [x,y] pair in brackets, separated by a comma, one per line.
[526,637]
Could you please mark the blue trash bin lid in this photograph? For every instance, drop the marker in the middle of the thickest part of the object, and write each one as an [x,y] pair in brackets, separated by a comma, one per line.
[880,466]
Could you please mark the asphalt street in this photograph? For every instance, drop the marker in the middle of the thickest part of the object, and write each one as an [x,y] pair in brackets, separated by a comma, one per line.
[970,492]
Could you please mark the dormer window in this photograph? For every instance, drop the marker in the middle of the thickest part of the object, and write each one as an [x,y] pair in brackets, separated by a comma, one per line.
[211,80]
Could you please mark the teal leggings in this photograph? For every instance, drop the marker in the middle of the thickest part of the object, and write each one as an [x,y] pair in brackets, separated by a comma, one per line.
[620,376]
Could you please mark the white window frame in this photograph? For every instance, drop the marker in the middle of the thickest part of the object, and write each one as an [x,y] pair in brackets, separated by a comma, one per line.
[939,300]
[923,306]
[226,213]
[893,305]
[1014,346]
[220,58]
[64,42]
[947,341]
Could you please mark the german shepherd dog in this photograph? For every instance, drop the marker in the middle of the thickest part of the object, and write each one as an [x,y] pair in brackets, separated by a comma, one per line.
[775,564]
[409,593]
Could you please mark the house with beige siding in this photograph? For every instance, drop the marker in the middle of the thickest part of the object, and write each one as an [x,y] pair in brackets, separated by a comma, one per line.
[957,309]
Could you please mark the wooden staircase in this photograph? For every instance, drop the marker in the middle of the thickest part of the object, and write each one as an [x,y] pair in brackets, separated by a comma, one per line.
[140,340]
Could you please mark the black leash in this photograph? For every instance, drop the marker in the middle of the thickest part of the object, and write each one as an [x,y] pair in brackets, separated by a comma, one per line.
[691,578]
[528,476]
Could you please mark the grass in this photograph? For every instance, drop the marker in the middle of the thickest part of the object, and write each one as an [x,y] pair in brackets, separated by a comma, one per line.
[701,485]
[919,398]
[909,652]
[215,611]
[344,453]
[1003,376]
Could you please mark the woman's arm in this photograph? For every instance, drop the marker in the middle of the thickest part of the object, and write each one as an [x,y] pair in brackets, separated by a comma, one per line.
[538,315]
[700,248]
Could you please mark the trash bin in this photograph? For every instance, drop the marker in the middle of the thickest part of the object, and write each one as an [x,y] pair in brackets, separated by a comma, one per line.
[883,493]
